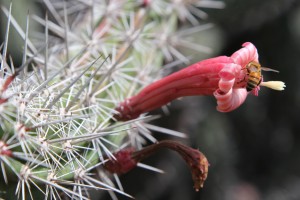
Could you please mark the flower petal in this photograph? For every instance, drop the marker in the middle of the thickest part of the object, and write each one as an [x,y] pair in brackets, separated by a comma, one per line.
[230,100]
[227,76]
[245,55]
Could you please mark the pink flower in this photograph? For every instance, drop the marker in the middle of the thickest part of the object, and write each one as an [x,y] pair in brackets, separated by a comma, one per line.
[225,78]
[232,92]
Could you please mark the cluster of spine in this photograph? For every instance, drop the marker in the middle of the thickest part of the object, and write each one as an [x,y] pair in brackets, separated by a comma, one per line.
[56,108]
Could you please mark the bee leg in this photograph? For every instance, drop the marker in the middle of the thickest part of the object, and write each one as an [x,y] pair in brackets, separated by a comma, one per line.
[261,79]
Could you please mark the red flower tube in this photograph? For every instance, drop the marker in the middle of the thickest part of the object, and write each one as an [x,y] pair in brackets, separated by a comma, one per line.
[223,77]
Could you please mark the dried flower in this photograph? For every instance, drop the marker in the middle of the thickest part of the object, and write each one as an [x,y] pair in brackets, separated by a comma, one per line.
[127,159]
[224,77]
[122,162]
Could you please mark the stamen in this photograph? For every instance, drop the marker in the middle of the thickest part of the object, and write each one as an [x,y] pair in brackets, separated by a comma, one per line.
[275,85]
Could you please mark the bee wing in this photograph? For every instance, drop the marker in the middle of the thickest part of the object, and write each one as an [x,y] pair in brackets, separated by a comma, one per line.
[269,69]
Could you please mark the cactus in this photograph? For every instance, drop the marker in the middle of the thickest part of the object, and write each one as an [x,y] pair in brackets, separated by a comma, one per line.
[56,110]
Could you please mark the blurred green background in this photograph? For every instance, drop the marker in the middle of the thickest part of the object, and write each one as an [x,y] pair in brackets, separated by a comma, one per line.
[254,151]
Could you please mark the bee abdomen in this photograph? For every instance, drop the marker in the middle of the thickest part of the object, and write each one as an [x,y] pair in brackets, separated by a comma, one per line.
[252,83]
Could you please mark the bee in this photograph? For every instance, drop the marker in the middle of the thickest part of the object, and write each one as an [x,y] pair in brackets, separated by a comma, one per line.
[254,74]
